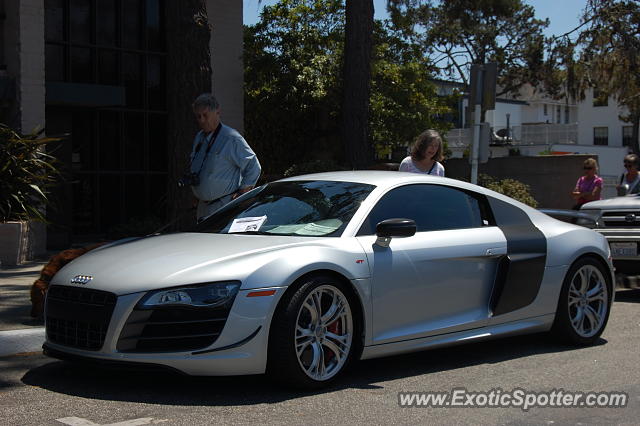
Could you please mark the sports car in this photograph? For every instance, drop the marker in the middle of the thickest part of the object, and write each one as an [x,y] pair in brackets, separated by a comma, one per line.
[299,277]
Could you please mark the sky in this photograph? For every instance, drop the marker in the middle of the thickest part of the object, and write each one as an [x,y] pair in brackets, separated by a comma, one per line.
[563,14]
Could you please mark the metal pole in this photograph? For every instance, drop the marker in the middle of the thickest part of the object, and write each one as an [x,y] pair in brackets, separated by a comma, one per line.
[477,113]
[476,143]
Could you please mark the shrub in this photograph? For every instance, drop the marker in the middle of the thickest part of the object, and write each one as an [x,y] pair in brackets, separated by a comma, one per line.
[27,175]
[509,187]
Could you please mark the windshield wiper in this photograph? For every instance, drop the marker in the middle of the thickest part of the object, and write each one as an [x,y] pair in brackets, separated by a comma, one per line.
[254,233]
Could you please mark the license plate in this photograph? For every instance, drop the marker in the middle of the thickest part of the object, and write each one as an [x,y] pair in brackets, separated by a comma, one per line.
[624,249]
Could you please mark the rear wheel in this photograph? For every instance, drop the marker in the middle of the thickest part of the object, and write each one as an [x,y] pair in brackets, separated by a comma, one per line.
[313,335]
[585,302]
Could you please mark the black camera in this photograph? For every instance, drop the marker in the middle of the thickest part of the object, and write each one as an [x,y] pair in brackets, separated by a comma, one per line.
[189,179]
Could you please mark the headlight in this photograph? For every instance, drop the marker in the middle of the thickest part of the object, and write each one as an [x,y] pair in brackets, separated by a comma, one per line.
[588,219]
[207,295]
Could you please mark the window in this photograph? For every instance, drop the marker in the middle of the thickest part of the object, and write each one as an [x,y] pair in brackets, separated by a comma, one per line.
[627,136]
[432,207]
[558,109]
[601,136]
[304,208]
[112,43]
[566,114]
[545,109]
[600,98]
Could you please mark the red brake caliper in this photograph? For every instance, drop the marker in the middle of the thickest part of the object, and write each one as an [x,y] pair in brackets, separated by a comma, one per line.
[335,328]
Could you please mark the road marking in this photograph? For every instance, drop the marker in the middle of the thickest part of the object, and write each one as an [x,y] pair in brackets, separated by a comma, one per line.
[78,421]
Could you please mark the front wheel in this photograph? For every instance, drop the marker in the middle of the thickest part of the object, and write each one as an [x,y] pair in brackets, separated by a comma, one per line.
[584,304]
[313,335]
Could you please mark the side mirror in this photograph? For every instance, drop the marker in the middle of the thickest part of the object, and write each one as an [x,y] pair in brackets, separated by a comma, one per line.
[399,228]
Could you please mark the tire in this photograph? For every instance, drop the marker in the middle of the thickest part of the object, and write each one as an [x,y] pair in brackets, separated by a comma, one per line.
[584,304]
[314,334]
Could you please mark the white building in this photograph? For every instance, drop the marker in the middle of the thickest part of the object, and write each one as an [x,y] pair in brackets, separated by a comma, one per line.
[539,124]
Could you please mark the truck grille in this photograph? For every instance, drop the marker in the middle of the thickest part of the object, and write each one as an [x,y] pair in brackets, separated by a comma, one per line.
[173,329]
[78,317]
[621,219]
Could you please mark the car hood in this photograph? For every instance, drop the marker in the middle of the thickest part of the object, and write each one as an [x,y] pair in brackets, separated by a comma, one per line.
[626,202]
[169,260]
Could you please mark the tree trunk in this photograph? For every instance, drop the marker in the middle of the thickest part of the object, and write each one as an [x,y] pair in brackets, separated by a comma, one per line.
[188,75]
[357,83]
[635,137]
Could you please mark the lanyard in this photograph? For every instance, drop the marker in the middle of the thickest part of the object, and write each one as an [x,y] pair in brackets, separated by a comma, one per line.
[209,146]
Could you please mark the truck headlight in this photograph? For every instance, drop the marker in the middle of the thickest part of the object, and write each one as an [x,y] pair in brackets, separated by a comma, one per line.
[208,295]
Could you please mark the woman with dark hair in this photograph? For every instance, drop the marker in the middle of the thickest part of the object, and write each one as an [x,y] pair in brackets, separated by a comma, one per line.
[630,179]
[426,154]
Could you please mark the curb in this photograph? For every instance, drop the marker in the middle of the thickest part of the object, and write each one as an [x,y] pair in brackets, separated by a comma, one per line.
[20,341]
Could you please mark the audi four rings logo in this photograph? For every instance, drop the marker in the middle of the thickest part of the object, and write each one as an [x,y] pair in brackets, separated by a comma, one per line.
[81,279]
[630,218]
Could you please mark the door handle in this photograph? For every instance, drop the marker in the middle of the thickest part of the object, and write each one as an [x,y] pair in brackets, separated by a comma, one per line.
[498,251]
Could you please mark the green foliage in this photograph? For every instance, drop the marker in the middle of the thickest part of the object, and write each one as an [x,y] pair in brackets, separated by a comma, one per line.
[293,86]
[458,33]
[27,174]
[404,99]
[293,59]
[509,187]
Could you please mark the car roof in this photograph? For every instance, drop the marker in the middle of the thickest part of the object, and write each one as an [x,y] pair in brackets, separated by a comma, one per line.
[381,178]
[384,179]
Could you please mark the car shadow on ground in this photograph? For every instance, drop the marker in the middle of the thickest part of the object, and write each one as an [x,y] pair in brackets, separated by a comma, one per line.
[175,389]
[629,296]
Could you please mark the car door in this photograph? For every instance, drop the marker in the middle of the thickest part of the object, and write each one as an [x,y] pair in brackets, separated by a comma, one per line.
[439,280]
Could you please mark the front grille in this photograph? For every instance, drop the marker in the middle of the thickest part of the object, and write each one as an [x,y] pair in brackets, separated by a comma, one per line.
[78,317]
[621,219]
[173,329]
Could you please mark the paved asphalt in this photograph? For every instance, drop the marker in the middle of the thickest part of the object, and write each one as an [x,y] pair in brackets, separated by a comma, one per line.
[36,390]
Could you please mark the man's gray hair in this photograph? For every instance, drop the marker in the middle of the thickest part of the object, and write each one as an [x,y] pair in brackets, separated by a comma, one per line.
[206,100]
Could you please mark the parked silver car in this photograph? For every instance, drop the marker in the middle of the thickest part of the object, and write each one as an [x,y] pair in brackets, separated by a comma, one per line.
[618,219]
[301,276]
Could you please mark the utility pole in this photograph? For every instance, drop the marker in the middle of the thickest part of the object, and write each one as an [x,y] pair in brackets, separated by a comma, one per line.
[483,94]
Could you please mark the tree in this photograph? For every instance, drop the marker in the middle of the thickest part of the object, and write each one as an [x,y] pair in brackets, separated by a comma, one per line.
[293,87]
[459,33]
[293,81]
[357,82]
[608,60]
[190,71]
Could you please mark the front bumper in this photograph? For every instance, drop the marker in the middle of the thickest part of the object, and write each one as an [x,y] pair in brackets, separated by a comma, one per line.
[623,242]
[240,349]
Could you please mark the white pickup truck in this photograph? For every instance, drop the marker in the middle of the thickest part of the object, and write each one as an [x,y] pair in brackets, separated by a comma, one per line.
[618,219]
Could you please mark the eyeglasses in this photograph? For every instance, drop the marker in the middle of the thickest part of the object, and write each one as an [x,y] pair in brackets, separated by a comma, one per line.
[588,168]
[628,164]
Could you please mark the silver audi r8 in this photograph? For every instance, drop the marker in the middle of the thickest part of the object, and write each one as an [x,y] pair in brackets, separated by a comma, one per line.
[301,276]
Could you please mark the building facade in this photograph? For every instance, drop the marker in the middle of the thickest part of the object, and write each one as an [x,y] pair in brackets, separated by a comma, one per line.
[94,72]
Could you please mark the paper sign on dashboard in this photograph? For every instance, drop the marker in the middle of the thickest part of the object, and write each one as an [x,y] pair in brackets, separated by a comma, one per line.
[245,224]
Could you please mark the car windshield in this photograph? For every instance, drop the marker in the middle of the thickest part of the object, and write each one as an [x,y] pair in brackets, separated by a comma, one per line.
[301,208]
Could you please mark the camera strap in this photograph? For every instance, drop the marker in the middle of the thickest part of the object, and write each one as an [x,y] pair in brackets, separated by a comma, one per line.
[212,139]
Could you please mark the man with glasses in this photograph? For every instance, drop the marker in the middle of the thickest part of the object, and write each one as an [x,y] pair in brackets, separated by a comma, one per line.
[223,166]
[630,179]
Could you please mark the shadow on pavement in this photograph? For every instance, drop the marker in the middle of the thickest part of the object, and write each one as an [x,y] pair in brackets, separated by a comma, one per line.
[168,388]
[628,296]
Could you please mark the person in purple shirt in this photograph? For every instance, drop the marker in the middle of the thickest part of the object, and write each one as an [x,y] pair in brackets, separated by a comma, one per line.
[589,187]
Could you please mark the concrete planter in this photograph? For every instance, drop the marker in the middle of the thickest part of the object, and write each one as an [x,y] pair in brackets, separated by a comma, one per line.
[21,241]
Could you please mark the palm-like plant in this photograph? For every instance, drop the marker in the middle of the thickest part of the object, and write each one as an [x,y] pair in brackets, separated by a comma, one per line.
[27,174]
